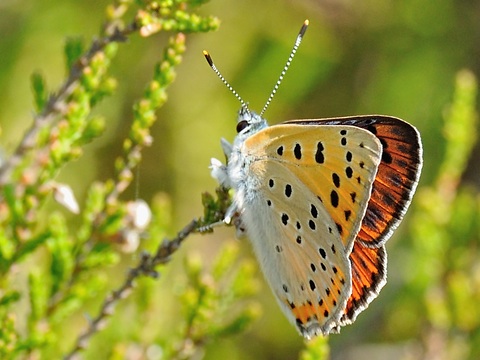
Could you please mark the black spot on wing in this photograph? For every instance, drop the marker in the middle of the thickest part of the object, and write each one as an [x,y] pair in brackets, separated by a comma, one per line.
[336,180]
[297,151]
[319,157]
[334,198]
[288,190]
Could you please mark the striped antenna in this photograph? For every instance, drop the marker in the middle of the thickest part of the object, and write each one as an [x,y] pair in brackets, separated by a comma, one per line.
[214,68]
[287,65]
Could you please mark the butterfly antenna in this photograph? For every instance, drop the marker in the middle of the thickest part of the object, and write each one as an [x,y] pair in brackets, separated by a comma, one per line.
[287,65]
[230,87]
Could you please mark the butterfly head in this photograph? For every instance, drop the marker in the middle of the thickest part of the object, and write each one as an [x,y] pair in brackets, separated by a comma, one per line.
[249,123]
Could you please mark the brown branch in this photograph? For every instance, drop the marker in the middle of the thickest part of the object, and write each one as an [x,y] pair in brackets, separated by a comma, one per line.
[145,267]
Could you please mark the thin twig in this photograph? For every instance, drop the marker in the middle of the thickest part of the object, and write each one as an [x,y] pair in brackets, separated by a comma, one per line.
[54,104]
[145,267]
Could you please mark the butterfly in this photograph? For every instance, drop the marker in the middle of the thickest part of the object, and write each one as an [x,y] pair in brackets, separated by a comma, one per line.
[318,199]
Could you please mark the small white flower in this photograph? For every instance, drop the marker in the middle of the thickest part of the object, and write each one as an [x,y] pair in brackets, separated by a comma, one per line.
[63,194]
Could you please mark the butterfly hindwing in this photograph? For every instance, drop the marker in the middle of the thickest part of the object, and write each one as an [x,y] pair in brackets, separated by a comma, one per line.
[369,275]
[298,246]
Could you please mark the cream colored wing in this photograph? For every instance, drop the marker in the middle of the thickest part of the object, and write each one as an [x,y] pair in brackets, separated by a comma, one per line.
[299,248]
[337,164]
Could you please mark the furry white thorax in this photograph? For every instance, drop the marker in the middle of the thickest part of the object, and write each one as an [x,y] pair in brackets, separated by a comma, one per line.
[235,175]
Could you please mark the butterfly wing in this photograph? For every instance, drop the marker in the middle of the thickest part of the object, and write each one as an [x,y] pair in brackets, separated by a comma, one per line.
[392,191]
[299,249]
[301,206]
[338,164]
[369,275]
[397,176]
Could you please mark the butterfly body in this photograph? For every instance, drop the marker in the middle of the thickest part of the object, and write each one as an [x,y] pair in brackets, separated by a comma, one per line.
[318,199]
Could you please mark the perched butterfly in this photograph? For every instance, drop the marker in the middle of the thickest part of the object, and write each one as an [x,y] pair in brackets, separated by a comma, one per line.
[318,199]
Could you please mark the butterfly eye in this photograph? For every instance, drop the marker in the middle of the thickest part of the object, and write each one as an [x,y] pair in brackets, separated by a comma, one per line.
[242,125]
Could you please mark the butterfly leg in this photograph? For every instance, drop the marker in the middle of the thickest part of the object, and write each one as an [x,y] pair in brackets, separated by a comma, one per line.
[209,227]
[219,170]
[226,147]
[233,216]
[241,230]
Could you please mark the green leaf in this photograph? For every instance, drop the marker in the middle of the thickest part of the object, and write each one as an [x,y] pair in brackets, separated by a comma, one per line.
[9,298]
[31,245]
[60,246]
[38,297]
[74,48]
[40,95]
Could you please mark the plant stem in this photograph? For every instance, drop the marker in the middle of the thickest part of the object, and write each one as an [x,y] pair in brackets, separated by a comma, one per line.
[145,267]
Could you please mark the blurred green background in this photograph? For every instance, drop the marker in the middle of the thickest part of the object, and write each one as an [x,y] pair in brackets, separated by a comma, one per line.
[397,58]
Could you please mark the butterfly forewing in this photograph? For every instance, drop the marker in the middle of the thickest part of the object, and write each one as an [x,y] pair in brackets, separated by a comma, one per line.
[337,164]
[397,176]
[299,247]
